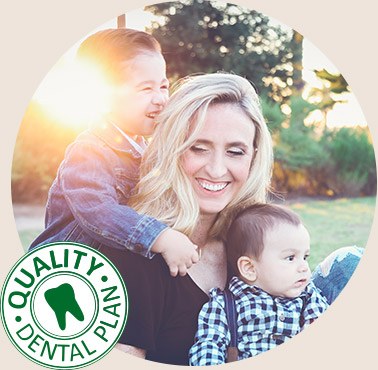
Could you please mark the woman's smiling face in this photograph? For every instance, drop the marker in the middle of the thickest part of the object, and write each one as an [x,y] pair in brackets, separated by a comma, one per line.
[219,161]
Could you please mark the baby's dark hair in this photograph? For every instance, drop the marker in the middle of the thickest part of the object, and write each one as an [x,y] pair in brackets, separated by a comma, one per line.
[246,235]
[110,48]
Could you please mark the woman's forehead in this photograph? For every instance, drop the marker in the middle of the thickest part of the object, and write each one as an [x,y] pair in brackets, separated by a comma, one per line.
[227,122]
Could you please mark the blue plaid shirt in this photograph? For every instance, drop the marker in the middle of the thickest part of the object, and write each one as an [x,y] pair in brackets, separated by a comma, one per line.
[263,321]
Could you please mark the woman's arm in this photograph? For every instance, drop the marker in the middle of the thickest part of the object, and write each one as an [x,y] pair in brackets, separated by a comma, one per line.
[134,351]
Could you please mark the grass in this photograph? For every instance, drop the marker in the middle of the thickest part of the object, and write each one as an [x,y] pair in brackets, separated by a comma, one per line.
[332,224]
[335,223]
[27,236]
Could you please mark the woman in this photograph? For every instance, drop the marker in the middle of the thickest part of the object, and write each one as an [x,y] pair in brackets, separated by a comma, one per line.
[210,156]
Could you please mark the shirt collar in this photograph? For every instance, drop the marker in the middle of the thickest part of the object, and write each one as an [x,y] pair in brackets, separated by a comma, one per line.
[113,136]
[239,288]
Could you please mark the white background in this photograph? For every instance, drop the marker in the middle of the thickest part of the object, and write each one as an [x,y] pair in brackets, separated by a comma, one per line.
[34,34]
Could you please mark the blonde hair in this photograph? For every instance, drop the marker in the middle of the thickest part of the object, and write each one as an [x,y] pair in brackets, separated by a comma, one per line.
[164,191]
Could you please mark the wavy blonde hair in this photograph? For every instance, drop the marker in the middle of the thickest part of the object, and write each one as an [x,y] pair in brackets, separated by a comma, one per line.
[164,191]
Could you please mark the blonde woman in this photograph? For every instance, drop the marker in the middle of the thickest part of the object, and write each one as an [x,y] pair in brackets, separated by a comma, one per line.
[211,155]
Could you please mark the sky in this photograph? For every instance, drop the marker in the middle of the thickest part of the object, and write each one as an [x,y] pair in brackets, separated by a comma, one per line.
[347,114]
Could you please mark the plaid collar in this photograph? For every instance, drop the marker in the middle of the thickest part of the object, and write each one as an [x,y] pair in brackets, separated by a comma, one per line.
[239,288]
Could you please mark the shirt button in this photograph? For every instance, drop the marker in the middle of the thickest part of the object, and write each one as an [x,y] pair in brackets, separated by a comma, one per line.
[282,317]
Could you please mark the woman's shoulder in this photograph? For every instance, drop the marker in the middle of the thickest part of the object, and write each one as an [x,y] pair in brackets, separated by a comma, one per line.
[134,267]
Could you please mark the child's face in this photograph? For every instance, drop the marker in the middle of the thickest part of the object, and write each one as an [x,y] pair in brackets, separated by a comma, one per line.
[142,96]
[282,269]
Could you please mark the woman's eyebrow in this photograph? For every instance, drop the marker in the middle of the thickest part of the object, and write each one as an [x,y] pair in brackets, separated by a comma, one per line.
[232,143]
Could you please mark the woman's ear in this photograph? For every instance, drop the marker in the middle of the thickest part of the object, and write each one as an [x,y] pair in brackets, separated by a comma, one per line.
[247,269]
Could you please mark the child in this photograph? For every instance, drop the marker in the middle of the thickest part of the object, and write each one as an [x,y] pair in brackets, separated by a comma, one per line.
[87,202]
[267,246]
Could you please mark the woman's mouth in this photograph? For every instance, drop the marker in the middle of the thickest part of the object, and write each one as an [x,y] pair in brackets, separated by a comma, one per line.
[213,187]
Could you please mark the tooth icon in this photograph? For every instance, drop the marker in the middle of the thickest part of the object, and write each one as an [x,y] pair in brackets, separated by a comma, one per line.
[62,300]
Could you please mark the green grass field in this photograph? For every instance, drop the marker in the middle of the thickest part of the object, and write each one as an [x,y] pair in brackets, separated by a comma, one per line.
[335,223]
[332,224]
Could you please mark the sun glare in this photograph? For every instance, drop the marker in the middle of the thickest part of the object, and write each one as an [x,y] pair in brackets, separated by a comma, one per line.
[74,93]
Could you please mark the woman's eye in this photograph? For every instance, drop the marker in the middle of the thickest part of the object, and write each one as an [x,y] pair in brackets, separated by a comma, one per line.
[198,149]
[236,152]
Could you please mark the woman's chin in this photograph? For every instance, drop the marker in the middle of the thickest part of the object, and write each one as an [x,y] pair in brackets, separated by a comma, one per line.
[211,209]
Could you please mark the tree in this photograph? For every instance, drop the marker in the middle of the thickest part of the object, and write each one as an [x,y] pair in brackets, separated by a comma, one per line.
[333,87]
[207,36]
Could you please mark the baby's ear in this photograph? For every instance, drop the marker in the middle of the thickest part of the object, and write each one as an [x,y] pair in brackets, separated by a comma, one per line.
[247,269]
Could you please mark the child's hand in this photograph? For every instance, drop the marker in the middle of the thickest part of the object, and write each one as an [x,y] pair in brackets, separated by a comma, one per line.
[177,250]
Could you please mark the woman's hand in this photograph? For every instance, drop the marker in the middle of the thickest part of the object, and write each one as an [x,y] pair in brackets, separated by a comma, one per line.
[134,351]
[177,250]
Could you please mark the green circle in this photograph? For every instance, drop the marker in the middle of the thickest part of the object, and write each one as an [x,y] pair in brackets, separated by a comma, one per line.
[4,320]
[36,320]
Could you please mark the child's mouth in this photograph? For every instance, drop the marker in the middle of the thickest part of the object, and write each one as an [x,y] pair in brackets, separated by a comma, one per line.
[152,115]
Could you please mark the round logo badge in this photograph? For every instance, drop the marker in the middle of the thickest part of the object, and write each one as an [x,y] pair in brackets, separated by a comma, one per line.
[64,305]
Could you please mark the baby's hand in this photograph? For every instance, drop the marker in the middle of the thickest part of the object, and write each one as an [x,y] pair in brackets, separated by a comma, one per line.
[177,250]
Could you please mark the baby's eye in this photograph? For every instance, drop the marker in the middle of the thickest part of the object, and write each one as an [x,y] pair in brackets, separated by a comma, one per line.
[306,257]
[290,258]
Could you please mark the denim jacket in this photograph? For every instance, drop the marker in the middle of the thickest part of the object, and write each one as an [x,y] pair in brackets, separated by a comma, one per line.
[87,202]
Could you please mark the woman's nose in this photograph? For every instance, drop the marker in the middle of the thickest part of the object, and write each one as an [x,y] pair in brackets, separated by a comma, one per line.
[216,166]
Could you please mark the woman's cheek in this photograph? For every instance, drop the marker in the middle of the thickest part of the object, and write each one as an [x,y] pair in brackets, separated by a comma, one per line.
[243,171]
[190,163]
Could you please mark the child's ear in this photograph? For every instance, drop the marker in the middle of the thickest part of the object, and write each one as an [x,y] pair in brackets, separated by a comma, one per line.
[247,268]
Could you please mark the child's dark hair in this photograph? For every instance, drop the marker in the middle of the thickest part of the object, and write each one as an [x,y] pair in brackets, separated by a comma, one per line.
[246,235]
[110,48]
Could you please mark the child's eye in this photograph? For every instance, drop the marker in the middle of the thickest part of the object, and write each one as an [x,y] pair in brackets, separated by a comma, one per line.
[290,258]
[306,257]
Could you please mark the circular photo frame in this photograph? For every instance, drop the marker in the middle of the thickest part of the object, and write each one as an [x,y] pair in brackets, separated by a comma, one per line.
[79,190]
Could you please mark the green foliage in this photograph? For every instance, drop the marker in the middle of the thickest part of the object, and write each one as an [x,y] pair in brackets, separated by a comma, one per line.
[273,114]
[207,36]
[333,86]
[297,147]
[352,161]
[336,82]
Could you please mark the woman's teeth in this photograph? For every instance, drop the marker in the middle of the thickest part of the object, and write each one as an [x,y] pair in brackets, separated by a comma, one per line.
[213,187]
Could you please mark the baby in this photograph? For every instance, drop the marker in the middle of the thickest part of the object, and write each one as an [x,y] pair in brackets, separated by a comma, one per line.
[267,248]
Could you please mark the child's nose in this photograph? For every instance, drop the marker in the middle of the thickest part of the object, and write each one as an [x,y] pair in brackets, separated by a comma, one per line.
[303,267]
[160,98]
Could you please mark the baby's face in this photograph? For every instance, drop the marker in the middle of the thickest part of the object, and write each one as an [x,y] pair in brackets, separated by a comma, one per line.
[282,269]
